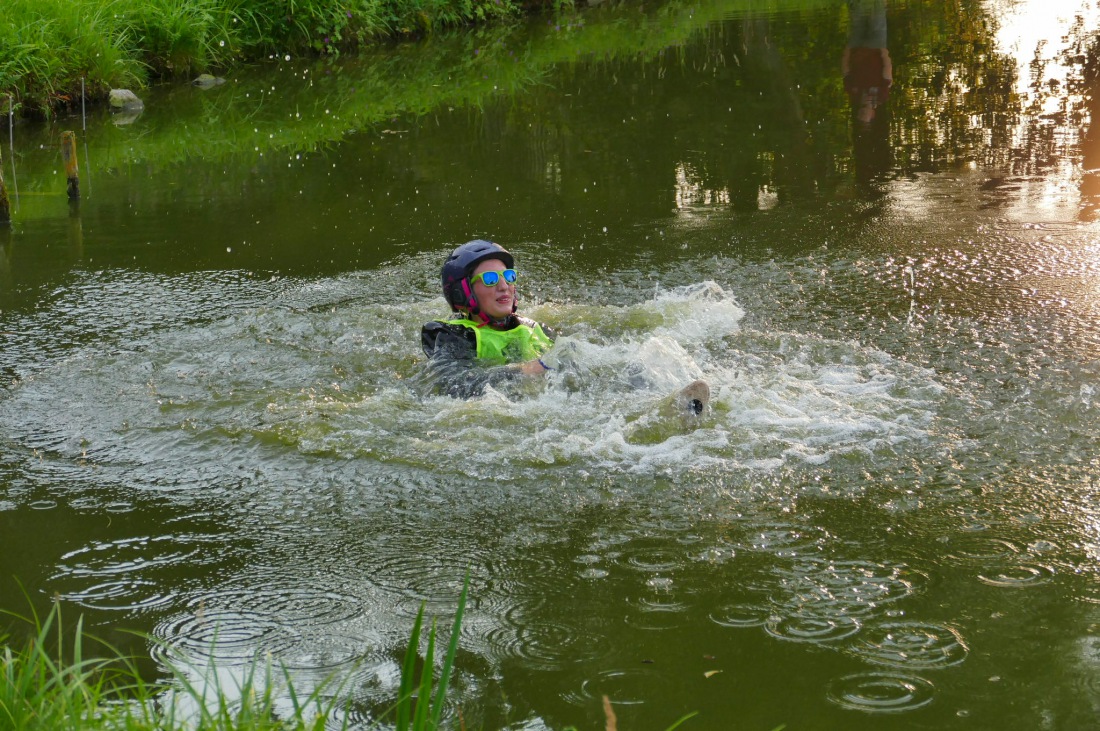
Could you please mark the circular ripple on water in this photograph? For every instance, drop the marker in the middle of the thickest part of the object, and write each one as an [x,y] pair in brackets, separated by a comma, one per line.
[1018,577]
[136,555]
[301,605]
[974,549]
[881,692]
[121,595]
[326,655]
[783,539]
[742,614]
[812,628]
[911,645]
[626,687]
[651,556]
[549,645]
[852,588]
[592,568]
[863,582]
[653,613]
[225,635]
[425,577]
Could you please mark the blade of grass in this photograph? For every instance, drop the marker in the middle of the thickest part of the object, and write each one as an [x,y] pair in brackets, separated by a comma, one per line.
[449,659]
[682,719]
[424,697]
[408,674]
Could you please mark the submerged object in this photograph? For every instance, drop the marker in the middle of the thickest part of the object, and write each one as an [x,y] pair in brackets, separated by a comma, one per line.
[693,398]
[206,81]
[677,413]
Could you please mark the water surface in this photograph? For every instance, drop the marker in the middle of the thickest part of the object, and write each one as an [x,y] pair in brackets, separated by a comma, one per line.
[212,424]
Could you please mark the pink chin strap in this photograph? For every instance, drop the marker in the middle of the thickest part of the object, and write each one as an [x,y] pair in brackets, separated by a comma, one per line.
[471,302]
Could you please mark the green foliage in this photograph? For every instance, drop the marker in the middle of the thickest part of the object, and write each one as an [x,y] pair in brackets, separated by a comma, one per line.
[51,684]
[426,712]
[48,47]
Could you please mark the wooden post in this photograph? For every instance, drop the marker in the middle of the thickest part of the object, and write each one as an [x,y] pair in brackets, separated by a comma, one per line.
[76,230]
[68,154]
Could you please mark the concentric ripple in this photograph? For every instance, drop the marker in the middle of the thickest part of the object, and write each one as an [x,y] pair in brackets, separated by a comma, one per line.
[305,605]
[810,628]
[1018,577]
[783,539]
[911,645]
[650,613]
[550,645]
[972,549]
[623,687]
[131,555]
[128,574]
[225,635]
[845,588]
[650,554]
[741,615]
[121,595]
[881,692]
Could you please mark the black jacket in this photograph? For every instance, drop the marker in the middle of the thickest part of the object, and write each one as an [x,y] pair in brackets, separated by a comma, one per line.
[453,367]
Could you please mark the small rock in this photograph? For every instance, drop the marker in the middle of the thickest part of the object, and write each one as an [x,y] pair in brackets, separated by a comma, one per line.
[205,81]
[125,99]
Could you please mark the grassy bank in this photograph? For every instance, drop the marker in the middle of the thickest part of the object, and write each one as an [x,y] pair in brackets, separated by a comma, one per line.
[52,51]
[63,679]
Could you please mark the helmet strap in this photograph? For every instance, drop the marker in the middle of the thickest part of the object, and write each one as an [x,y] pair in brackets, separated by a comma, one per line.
[472,303]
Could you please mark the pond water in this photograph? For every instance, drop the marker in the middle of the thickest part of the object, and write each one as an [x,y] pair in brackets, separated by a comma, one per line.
[211,427]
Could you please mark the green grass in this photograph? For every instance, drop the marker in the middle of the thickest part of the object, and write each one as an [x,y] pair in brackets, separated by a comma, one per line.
[49,47]
[52,683]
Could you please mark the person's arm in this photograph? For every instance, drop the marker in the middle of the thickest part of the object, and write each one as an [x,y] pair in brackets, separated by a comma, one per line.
[452,360]
[537,367]
[453,367]
[533,368]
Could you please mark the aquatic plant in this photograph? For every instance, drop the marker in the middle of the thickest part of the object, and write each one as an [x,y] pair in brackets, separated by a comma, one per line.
[417,709]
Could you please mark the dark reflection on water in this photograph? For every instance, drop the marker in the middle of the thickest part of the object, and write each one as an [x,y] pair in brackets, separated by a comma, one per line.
[888,518]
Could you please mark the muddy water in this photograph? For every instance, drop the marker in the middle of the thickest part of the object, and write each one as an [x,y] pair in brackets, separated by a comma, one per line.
[213,426]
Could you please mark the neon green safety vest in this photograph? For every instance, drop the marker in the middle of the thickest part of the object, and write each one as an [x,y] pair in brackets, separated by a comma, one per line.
[524,342]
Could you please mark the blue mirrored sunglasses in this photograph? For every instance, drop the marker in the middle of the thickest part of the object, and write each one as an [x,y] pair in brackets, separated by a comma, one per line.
[491,279]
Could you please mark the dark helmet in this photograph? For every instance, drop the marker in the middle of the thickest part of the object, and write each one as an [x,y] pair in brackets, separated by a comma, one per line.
[461,264]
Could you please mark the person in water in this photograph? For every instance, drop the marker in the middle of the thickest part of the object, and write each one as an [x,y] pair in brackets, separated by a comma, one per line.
[484,343]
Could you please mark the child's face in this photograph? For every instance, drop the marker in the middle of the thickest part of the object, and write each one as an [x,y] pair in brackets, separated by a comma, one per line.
[498,301]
